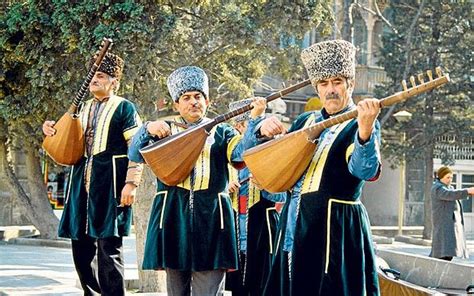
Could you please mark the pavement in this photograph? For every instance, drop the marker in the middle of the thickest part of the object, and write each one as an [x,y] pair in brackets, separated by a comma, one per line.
[419,247]
[29,267]
[33,268]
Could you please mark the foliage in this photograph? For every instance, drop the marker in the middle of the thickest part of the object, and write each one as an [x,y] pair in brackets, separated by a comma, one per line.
[441,37]
[44,46]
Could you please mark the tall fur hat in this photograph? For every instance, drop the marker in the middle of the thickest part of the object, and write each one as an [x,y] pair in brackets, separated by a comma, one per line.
[443,171]
[111,65]
[188,78]
[239,104]
[329,59]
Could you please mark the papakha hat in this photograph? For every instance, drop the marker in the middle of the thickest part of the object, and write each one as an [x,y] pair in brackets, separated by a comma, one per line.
[327,59]
[111,65]
[188,78]
[239,104]
[443,171]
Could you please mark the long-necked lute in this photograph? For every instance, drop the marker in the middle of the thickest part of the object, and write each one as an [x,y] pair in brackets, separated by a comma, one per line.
[66,146]
[279,163]
[172,158]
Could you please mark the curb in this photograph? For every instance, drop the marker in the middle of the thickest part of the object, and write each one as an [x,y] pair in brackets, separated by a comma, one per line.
[382,240]
[32,241]
[413,240]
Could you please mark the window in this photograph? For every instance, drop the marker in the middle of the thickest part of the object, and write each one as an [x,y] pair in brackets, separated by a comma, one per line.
[360,39]
[467,180]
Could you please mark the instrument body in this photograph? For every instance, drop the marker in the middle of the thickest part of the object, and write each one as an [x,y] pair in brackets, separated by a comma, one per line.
[277,169]
[175,171]
[172,158]
[67,145]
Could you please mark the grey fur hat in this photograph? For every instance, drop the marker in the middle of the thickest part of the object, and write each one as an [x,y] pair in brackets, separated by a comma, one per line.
[188,78]
[239,104]
[329,59]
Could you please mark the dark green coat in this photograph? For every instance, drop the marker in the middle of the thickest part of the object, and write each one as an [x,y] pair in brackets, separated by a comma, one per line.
[96,213]
[332,252]
[196,234]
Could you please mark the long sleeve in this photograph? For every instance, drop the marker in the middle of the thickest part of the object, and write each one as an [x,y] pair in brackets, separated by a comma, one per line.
[442,192]
[248,140]
[364,163]
[134,170]
[139,140]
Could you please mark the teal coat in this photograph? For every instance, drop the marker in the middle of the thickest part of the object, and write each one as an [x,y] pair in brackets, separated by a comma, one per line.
[198,233]
[96,213]
[332,252]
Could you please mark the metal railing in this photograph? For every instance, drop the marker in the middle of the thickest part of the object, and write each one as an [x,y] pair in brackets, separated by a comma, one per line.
[462,149]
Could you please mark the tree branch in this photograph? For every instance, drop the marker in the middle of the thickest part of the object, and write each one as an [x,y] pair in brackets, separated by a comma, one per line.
[378,14]
[408,49]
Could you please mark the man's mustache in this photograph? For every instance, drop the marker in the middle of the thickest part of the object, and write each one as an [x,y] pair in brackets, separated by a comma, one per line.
[333,96]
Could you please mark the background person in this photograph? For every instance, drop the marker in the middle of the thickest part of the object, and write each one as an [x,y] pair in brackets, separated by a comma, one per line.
[449,239]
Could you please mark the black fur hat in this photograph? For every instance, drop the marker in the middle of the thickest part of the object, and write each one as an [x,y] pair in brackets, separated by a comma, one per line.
[111,64]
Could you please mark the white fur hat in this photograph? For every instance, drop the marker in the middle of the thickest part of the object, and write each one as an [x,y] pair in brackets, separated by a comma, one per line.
[329,59]
[189,78]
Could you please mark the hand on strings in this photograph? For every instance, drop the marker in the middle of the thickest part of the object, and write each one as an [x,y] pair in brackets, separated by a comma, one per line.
[259,105]
[271,127]
[368,110]
[234,186]
[48,129]
[158,128]
[128,195]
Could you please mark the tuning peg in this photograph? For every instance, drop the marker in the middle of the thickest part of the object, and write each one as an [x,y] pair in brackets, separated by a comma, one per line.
[439,72]
[430,74]
[412,81]
[404,84]
[420,78]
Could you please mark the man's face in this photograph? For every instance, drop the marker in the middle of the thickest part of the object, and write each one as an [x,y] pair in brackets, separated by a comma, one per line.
[335,93]
[102,85]
[192,106]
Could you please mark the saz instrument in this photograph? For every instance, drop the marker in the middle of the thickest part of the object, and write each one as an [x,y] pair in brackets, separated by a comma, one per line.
[172,158]
[279,163]
[67,145]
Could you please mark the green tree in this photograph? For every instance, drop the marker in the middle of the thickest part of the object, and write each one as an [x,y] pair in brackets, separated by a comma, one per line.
[45,44]
[431,34]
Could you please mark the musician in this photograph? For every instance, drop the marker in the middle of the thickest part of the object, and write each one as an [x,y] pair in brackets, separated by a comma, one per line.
[191,233]
[102,184]
[326,244]
[256,222]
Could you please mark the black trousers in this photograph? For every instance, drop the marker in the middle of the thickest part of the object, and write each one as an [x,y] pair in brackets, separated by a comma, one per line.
[99,265]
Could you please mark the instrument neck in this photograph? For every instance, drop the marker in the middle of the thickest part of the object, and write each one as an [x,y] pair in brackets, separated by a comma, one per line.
[83,91]
[269,98]
[315,130]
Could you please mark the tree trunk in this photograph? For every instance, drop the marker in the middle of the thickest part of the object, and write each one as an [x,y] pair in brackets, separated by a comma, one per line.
[149,281]
[347,29]
[48,224]
[429,111]
[37,212]
[428,181]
